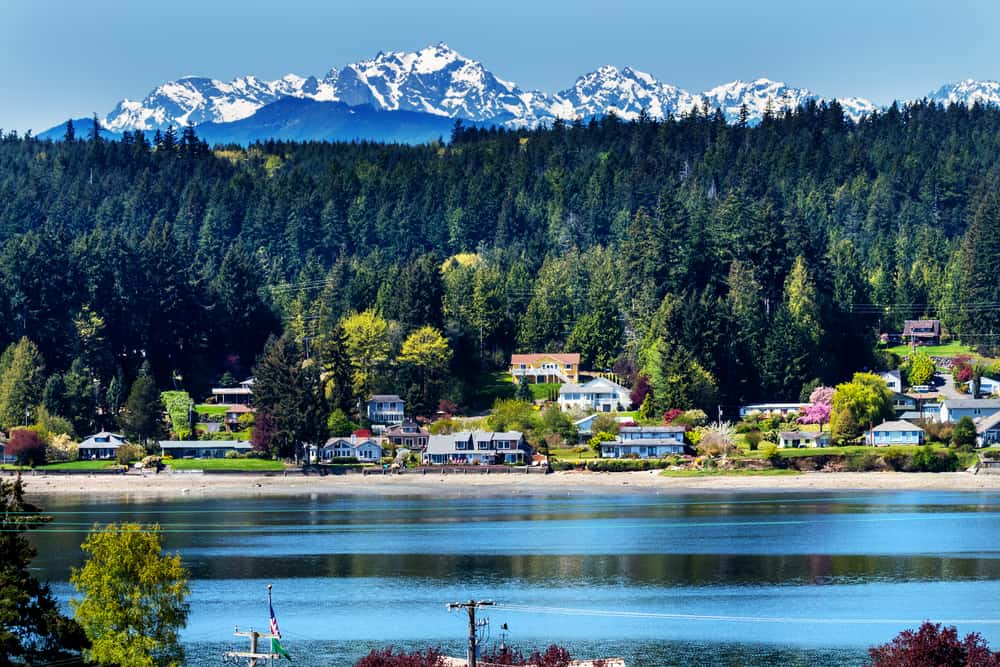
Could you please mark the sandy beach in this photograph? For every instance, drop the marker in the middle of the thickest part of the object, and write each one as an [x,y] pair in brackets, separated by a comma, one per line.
[166,485]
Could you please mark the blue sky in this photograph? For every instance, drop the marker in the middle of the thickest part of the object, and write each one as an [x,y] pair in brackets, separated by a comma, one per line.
[62,58]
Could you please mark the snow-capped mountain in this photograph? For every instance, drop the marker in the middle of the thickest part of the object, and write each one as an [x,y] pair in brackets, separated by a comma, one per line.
[439,81]
[968,92]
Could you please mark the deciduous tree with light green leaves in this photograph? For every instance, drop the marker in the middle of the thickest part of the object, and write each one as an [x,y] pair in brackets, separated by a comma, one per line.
[921,368]
[426,353]
[367,340]
[864,401]
[21,382]
[132,601]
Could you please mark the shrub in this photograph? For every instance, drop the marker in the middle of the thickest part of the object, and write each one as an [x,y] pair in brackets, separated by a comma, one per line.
[343,460]
[938,432]
[387,658]
[670,415]
[861,462]
[27,446]
[926,459]
[897,459]
[934,645]
[61,448]
[770,452]
[233,454]
[963,435]
[691,418]
[128,453]
[753,439]
[627,465]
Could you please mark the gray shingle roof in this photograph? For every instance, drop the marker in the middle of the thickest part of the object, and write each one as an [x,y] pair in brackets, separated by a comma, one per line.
[896,426]
[973,403]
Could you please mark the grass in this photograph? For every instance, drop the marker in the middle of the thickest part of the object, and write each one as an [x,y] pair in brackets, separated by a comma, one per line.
[541,391]
[951,349]
[573,455]
[490,387]
[251,465]
[206,409]
[737,472]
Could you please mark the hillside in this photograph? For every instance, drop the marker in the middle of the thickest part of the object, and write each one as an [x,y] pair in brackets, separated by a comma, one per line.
[755,259]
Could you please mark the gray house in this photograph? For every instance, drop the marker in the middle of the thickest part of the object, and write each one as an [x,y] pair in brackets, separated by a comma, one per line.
[792,439]
[988,431]
[103,445]
[645,442]
[203,449]
[477,448]
[363,449]
[977,408]
[385,409]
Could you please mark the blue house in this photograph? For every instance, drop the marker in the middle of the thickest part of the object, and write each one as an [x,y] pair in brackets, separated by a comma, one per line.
[477,448]
[103,445]
[385,409]
[203,449]
[645,442]
[895,433]
[365,450]
[975,408]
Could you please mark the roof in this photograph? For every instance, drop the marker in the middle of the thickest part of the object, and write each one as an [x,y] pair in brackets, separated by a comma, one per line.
[397,429]
[645,442]
[385,398]
[893,373]
[445,444]
[896,426]
[350,442]
[967,403]
[239,407]
[803,435]
[204,444]
[910,325]
[651,429]
[114,440]
[773,406]
[232,391]
[588,386]
[988,423]
[564,357]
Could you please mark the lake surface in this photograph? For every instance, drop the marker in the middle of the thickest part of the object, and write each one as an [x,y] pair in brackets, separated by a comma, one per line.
[698,579]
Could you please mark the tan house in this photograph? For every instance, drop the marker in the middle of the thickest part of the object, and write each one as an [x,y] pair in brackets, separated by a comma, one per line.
[555,367]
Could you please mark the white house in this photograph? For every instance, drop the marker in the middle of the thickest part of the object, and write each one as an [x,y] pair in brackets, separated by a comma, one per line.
[365,450]
[385,409]
[600,394]
[783,409]
[645,442]
[894,379]
[895,433]
[241,395]
[953,410]
[477,448]
[803,439]
[103,445]
[988,386]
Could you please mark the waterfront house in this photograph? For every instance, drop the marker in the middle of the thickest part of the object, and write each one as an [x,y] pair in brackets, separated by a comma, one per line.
[600,394]
[645,442]
[203,449]
[240,395]
[922,332]
[103,445]
[988,431]
[895,433]
[789,439]
[233,414]
[977,408]
[385,409]
[894,379]
[552,367]
[477,448]
[365,450]
[409,434]
[771,409]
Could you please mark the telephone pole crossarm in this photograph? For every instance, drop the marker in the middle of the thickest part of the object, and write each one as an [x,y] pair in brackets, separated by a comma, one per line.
[471,607]
[252,655]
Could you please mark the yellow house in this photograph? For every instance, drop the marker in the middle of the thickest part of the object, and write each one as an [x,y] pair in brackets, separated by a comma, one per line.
[546,367]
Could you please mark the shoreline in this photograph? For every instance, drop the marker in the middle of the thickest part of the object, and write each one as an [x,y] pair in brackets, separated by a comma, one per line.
[181,486]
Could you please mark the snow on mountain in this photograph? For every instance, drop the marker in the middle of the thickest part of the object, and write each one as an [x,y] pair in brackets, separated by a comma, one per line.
[439,81]
[968,92]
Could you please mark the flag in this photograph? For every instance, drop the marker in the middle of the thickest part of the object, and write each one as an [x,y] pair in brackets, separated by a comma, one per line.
[276,646]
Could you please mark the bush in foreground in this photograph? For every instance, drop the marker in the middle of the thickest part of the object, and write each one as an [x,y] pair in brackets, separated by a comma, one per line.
[388,658]
[933,646]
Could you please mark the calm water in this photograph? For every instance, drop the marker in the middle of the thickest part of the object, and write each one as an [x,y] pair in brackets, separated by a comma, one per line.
[790,579]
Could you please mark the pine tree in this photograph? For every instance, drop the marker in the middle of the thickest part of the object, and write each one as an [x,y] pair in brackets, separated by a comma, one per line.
[70,135]
[289,390]
[142,416]
[95,130]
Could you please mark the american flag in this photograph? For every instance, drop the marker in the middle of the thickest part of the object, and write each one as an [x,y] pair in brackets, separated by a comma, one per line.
[274,622]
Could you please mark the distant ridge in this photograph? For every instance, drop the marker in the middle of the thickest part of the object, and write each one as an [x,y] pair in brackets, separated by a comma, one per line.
[438,81]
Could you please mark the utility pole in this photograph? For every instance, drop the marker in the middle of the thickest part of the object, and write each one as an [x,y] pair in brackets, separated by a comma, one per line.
[471,607]
[252,656]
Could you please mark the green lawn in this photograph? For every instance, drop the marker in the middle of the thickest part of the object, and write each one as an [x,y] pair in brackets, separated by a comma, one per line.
[206,409]
[250,465]
[739,472]
[542,390]
[573,455]
[952,349]
[68,465]
[490,387]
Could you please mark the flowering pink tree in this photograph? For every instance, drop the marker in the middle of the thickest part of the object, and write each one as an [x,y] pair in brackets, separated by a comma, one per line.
[818,410]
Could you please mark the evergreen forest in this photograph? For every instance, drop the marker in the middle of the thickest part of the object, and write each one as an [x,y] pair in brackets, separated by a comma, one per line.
[717,263]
